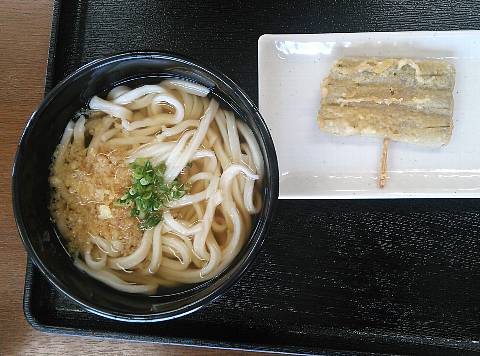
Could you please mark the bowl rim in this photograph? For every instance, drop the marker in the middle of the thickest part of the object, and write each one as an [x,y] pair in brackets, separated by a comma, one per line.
[250,253]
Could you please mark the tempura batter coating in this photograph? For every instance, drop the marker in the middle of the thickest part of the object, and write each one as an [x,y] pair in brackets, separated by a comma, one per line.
[402,99]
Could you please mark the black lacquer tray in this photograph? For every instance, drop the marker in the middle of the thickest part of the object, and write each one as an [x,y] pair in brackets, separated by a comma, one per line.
[390,276]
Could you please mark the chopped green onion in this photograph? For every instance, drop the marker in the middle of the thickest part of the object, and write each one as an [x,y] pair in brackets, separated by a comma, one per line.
[149,193]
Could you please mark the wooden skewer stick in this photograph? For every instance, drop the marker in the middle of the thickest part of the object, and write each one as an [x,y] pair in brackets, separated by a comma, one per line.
[383,168]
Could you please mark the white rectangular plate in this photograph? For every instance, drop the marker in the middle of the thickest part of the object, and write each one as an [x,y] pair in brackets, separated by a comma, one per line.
[315,165]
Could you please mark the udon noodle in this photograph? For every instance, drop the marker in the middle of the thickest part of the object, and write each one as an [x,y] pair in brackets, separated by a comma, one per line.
[200,147]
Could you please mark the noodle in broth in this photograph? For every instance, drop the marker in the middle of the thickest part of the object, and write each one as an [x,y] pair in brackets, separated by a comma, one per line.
[199,146]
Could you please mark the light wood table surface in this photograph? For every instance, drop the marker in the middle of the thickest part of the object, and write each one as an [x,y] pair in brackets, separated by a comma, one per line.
[24,38]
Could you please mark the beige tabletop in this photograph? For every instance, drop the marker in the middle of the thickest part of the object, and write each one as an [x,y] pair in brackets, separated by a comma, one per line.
[24,37]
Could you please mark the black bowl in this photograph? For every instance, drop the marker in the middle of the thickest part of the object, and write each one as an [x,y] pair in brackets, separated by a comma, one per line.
[31,191]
